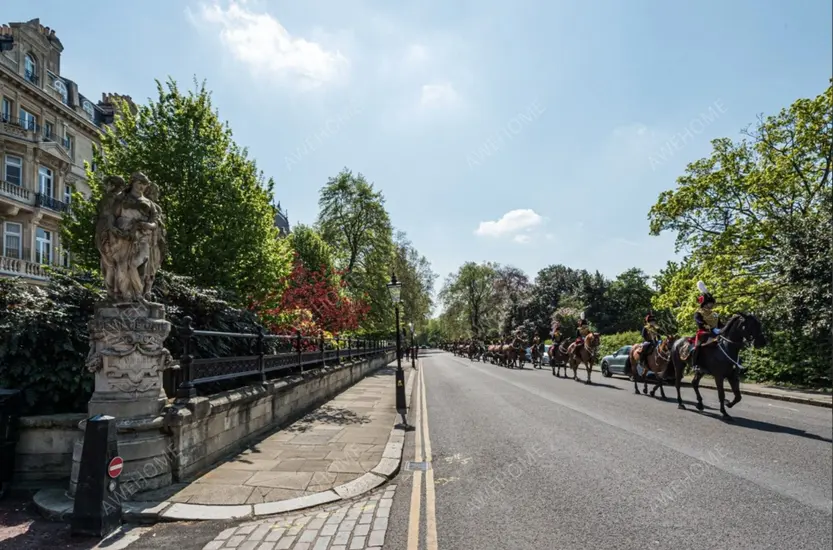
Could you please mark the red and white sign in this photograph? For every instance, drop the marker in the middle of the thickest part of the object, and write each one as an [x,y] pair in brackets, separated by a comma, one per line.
[115,467]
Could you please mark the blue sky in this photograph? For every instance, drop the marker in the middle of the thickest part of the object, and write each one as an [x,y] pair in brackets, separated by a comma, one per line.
[524,132]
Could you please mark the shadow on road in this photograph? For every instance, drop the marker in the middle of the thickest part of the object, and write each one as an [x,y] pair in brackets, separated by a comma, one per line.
[764,426]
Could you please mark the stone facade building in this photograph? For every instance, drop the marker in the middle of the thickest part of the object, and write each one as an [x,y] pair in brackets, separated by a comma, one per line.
[282,220]
[47,132]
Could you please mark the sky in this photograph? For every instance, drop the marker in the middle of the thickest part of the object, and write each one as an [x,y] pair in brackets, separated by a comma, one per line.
[527,132]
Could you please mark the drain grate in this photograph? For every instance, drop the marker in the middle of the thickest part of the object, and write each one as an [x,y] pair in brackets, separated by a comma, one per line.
[413,466]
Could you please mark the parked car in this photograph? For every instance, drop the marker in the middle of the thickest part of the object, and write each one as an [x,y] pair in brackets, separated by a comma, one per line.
[617,363]
[545,359]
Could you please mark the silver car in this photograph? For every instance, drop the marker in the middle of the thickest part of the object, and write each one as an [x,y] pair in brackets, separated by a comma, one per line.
[617,363]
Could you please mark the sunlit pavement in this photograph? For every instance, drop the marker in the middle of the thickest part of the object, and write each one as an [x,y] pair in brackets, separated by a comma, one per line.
[520,459]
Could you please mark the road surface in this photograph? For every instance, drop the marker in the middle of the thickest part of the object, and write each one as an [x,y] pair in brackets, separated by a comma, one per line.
[520,459]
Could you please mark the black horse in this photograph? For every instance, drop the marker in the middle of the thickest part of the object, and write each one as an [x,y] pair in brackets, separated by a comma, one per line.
[720,359]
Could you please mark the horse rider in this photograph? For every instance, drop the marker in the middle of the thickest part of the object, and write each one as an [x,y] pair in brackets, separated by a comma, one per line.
[650,338]
[708,323]
[582,330]
[556,332]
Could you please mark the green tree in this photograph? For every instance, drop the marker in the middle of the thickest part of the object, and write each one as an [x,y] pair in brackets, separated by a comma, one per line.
[354,222]
[220,220]
[311,249]
[756,222]
[629,299]
[471,294]
[414,273]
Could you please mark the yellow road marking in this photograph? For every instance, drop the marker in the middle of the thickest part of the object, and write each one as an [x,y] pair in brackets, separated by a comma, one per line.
[430,497]
[416,489]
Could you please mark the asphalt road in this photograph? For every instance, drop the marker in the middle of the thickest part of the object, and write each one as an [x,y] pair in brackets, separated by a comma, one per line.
[524,460]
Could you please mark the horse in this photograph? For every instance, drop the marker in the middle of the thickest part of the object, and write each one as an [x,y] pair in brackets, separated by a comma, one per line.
[558,358]
[584,354]
[719,358]
[658,363]
[535,353]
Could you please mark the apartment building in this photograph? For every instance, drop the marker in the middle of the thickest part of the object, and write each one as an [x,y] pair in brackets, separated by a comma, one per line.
[47,131]
[282,220]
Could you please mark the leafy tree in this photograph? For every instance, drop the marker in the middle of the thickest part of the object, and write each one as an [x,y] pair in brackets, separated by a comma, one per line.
[629,299]
[311,250]
[471,293]
[755,220]
[354,222]
[414,273]
[219,217]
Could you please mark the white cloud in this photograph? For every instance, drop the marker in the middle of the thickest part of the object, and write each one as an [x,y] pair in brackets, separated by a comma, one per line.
[439,95]
[511,223]
[550,236]
[523,239]
[260,41]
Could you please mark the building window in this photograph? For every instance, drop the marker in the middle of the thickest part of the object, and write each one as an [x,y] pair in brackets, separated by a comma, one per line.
[43,246]
[67,194]
[45,181]
[88,108]
[13,240]
[69,145]
[14,170]
[31,69]
[62,89]
[48,130]
[28,120]
[6,112]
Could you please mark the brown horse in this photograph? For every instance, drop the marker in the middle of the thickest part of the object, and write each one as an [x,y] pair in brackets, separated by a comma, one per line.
[658,363]
[585,354]
[558,358]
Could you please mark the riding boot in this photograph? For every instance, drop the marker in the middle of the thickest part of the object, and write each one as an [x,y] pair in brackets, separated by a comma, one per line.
[694,366]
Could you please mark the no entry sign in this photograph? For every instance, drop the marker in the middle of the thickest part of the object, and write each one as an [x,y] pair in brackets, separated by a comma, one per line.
[115,467]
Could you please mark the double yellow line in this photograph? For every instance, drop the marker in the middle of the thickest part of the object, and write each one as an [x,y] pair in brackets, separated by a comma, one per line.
[422,445]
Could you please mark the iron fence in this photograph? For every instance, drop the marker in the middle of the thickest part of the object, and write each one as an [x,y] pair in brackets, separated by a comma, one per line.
[273,356]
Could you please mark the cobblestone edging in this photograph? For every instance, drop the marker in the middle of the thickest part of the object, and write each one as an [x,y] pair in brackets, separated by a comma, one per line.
[359,525]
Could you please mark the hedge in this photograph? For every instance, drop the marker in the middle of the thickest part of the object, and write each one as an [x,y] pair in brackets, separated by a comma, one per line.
[44,339]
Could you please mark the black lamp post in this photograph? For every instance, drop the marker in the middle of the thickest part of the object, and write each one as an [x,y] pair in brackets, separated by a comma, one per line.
[395,289]
[413,345]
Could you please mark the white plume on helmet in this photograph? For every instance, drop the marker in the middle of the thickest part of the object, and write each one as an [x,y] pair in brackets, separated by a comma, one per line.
[702,287]
[582,316]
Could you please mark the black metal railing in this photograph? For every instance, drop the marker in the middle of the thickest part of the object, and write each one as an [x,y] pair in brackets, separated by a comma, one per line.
[32,77]
[45,201]
[272,356]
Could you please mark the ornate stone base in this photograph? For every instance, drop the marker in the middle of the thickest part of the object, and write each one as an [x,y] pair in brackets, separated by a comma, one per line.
[127,356]
[147,455]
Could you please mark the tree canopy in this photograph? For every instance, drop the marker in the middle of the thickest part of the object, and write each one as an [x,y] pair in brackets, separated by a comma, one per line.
[220,218]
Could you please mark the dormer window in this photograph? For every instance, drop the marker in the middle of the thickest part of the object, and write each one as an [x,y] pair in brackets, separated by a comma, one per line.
[30,68]
[88,108]
[62,89]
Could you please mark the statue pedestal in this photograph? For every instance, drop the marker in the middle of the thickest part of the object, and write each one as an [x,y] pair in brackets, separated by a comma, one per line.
[128,357]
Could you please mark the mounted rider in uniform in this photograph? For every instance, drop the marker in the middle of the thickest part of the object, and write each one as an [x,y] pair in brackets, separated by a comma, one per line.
[650,338]
[582,330]
[708,323]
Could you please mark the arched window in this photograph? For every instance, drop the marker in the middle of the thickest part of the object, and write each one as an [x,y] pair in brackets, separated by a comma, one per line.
[88,108]
[30,65]
[62,89]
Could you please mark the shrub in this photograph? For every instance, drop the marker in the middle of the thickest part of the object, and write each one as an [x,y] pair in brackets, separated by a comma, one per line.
[612,342]
[44,339]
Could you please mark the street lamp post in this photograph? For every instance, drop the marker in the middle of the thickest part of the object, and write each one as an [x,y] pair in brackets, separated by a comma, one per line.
[395,289]
[413,344]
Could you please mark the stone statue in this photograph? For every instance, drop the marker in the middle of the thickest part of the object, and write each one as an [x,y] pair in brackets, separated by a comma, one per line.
[130,235]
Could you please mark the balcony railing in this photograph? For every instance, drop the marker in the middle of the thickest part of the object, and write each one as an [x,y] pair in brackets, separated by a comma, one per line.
[21,267]
[32,77]
[45,201]
[16,192]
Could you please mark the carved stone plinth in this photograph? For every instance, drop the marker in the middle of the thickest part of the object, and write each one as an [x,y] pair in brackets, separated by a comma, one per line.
[128,357]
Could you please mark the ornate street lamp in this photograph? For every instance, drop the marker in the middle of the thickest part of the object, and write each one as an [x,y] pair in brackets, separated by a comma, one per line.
[395,289]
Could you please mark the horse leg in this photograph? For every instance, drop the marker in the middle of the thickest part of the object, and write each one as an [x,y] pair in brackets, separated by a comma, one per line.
[734,383]
[589,366]
[678,378]
[721,396]
[695,383]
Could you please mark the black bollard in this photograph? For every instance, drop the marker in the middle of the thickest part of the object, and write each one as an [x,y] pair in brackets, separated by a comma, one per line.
[97,510]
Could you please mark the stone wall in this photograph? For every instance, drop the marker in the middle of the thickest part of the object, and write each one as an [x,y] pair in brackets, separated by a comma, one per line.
[207,430]
[44,451]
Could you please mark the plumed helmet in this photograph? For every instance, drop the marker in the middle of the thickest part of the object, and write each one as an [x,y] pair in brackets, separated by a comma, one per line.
[705,298]
[649,317]
[583,317]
